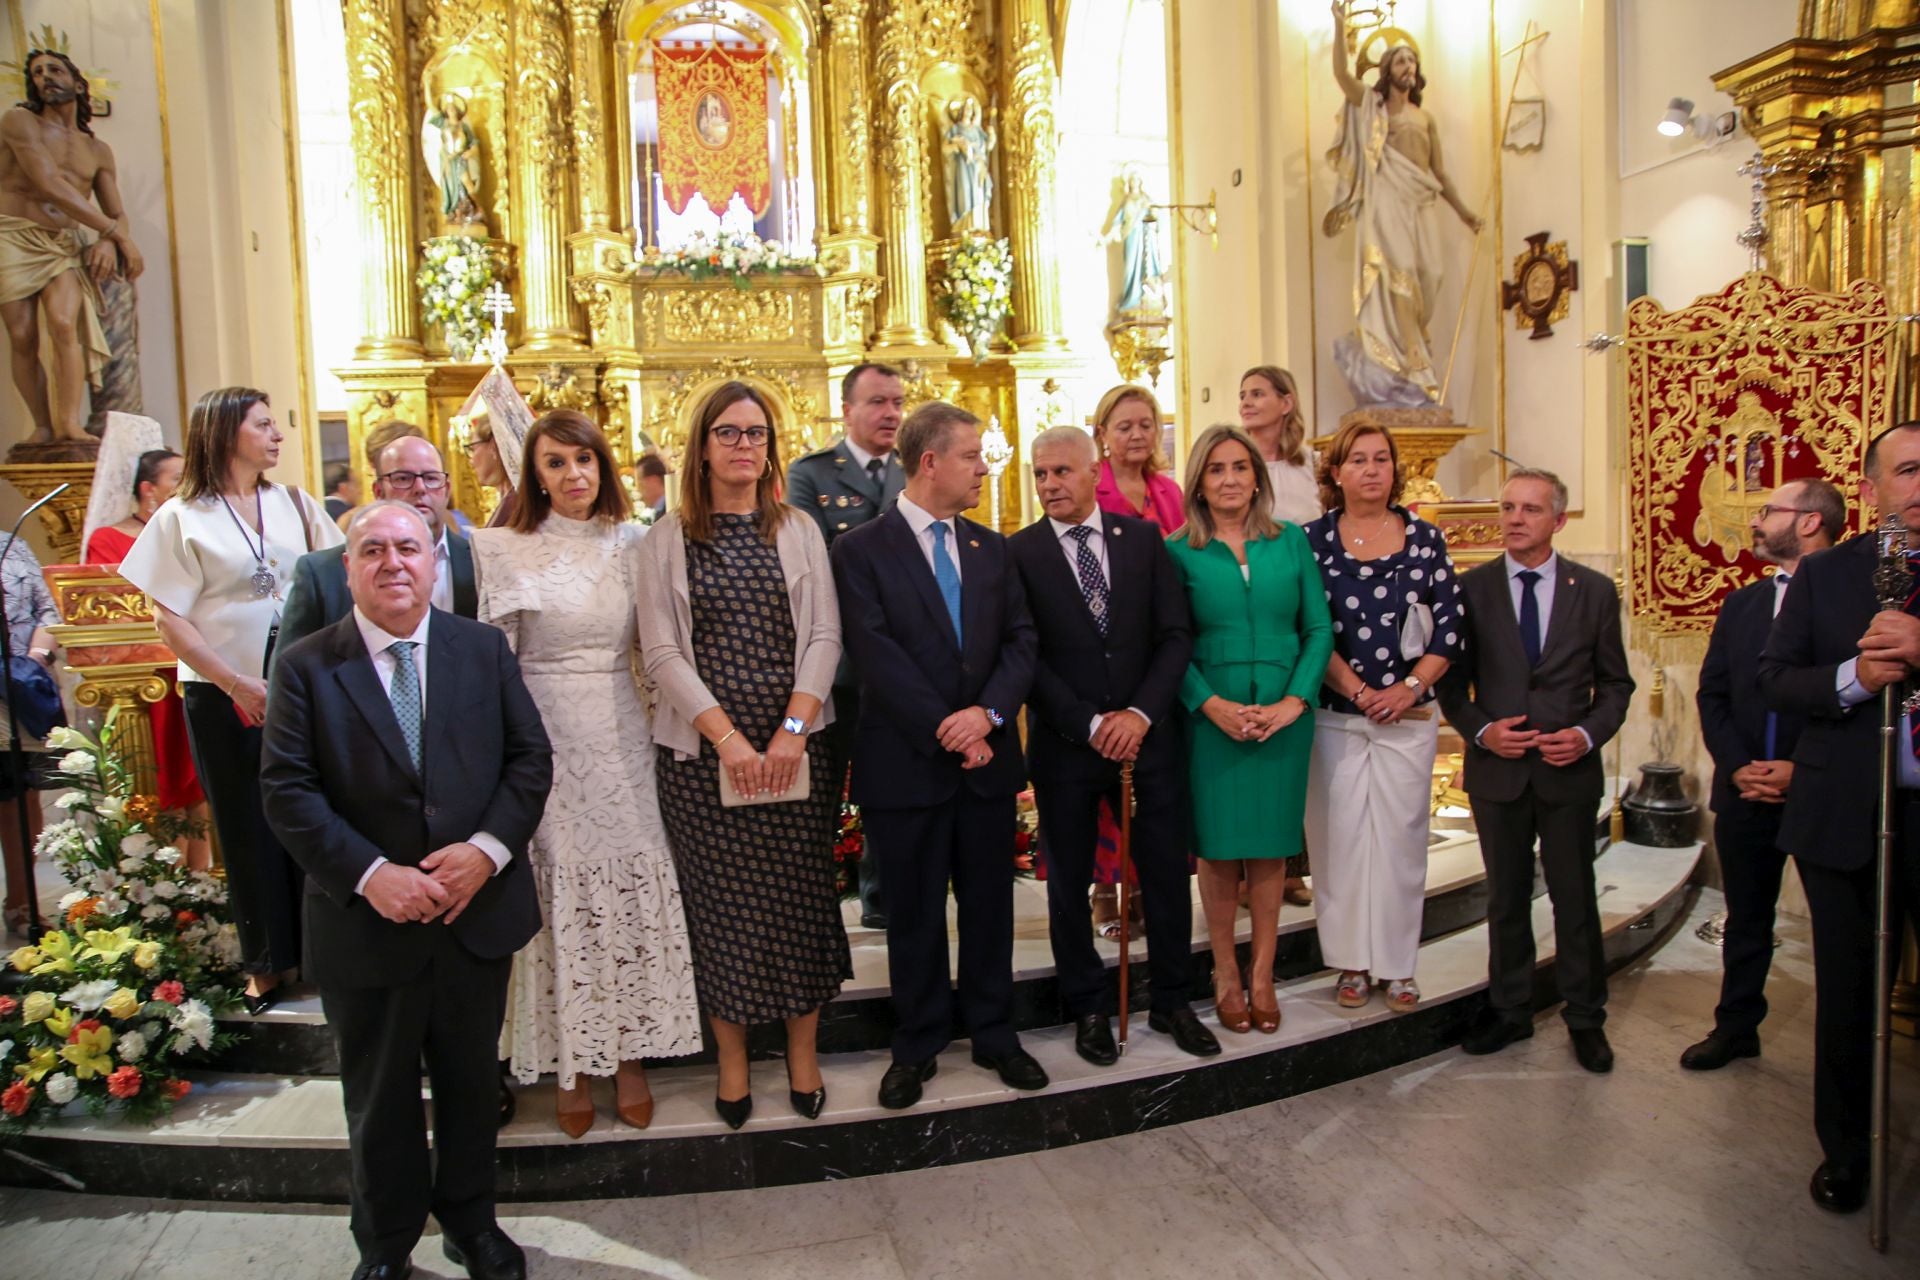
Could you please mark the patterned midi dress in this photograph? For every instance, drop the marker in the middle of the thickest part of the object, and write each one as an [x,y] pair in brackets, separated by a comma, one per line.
[757,880]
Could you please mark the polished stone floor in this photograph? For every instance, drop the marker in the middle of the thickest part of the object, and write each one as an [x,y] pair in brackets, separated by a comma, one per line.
[1519,1165]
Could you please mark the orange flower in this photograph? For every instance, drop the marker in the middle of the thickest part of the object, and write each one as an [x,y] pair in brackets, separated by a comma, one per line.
[142,809]
[177,1089]
[185,918]
[124,1083]
[17,1099]
[77,913]
[172,991]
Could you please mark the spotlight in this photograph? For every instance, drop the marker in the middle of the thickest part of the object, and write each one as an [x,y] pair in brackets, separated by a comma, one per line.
[1679,118]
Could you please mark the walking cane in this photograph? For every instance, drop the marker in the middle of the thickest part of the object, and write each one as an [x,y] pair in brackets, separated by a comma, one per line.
[1126,887]
[1893,582]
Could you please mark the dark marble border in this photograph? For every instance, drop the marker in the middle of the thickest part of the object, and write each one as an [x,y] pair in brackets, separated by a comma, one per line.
[779,1157]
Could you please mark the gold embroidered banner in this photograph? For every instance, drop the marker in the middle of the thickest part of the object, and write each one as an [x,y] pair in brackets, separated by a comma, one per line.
[1728,398]
[713,125]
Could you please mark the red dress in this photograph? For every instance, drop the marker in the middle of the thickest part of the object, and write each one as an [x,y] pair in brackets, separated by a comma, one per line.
[179,785]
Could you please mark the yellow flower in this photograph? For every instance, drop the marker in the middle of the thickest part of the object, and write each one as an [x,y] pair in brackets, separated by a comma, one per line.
[24,958]
[56,954]
[123,1003]
[146,955]
[108,944]
[39,1062]
[59,1024]
[89,1053]
[37,1005]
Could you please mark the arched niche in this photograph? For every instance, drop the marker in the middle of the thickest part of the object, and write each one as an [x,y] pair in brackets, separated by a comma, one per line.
[943,86]
[786,29]
[468,71]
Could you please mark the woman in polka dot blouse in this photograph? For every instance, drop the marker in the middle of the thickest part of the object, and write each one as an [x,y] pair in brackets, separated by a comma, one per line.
[1397,611]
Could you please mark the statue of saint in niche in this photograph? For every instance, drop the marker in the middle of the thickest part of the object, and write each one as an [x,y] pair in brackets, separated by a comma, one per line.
[57,247]
[969,145]
[1387,156]
[453,159]
[1143,274]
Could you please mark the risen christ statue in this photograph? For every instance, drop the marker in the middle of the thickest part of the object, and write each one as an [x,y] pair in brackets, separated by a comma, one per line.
[52,168]
[1388,159]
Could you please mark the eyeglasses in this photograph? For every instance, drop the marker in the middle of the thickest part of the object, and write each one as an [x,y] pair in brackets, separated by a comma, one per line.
[1767,509]
[428,480]
[732,435]
[471,445]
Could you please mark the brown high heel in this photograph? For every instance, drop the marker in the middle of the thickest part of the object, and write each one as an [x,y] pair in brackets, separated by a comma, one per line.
[637,1114]
[1238,1021]
[576,1119]
[1267,1020]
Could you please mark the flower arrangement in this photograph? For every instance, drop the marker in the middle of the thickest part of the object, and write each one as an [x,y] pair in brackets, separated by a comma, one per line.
[848,848]
[976,293]
[106,1008]
[730,255]
[455,272]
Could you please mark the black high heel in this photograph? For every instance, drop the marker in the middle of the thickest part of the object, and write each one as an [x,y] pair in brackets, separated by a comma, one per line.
[734,1112]
[809,1105]
[257,1005]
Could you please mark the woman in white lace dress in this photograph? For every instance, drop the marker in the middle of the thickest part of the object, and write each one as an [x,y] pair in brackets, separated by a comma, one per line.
[609,980]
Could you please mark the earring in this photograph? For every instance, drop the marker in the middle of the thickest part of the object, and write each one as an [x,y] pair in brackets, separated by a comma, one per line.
[769,468]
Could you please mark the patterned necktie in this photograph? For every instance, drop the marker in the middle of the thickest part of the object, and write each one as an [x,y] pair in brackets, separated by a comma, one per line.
[1529,615]
[946,576]
[1093,585]
[877,472]
[405,695]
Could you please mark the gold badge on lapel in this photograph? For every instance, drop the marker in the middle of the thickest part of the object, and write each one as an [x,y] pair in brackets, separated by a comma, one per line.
[825,500]
[841,501]
[973,542]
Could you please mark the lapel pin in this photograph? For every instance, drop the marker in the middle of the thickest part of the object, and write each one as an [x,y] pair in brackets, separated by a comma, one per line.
[973,542]
[841,501]
[1117,531]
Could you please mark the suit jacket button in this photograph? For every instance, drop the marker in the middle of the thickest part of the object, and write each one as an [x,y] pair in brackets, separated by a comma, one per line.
[432,812]
[965,667]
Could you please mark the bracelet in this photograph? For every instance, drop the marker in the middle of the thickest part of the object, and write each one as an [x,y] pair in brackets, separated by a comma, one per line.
[722,740]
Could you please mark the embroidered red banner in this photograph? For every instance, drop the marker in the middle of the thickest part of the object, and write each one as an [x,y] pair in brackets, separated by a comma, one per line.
[713,125]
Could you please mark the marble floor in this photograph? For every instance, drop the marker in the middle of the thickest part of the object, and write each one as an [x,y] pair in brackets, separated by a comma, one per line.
[1520,1165]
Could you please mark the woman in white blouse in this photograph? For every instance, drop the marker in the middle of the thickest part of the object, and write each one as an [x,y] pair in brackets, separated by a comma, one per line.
[217,559]
[1270,413]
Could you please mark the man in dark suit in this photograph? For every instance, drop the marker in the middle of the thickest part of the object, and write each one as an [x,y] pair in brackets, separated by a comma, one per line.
[842,487]
[410,471]
[1752,750]
[1830,653]
[1115,640]
[1542,689]
[934,616]
[405,768]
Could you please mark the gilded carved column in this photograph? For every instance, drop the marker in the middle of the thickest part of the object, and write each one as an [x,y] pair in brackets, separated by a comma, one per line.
[541,158]
[1031,150]
[382,160]
[901,151]
[589,128]
[849,184]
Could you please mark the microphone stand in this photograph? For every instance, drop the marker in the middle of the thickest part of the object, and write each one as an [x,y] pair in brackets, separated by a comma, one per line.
[16,755]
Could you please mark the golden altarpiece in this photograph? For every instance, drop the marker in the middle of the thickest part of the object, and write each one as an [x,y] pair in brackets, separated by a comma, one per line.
[558,94]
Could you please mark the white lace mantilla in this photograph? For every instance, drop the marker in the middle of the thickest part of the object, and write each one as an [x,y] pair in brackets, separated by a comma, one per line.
[610,977]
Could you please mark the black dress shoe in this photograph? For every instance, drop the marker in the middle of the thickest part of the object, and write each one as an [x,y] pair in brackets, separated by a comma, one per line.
[1590,1047]
[900,1087]
[1188,1032]
[1093,1039]
[1716,1051]
[874,920]
[384,1270]
[1838,1189]
[257,1005]
[1017,1069]
[1493,1032]
[488,1255]
[734,1112]
[809,1105]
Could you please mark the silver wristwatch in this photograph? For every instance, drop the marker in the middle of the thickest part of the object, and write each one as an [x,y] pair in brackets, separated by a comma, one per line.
[1416,684]
[795,725]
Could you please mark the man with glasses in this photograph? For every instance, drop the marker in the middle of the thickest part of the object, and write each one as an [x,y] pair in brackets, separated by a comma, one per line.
[1752,749]
[408,470]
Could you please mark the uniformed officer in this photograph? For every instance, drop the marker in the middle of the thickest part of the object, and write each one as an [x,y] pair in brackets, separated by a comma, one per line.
[842,487]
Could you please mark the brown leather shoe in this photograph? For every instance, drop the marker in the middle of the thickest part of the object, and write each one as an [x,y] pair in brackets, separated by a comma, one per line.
[573,1108]
[638,1113]
[1297,892]
[1239,1021]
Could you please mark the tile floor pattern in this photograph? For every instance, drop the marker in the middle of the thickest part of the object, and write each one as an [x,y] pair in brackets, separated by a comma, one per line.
[1519,1165]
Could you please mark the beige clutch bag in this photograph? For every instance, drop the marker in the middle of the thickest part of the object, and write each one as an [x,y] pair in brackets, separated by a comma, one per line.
[801,788]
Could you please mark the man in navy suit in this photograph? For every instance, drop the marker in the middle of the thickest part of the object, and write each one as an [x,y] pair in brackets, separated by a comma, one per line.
[1752,750]
[1115,641]
[1831,651]
[936,621]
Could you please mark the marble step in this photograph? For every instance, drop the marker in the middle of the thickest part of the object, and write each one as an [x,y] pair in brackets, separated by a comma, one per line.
[292,1037]
[281,1138]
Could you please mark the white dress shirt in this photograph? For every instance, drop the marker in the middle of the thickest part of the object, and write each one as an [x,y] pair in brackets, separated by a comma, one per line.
[862,457]
[920,520]
[1096,543]
[442,579]
[385,662]
[1543,596]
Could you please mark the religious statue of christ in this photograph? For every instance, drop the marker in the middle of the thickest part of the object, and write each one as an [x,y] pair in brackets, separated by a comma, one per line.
[1387,156]
[56,246]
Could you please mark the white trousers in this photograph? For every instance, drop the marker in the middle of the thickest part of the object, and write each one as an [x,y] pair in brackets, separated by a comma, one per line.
[1369,799]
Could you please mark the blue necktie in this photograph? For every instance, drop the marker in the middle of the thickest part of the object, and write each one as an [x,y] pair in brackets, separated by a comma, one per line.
[946,576]
[1529,616]
[405,695]
[1093,585]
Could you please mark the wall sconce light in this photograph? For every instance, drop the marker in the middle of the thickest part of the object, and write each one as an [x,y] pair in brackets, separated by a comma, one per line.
[1680,120]
[1198,217]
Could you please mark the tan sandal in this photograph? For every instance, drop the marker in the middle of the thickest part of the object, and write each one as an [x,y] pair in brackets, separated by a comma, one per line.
[1353,990]
[1403,995]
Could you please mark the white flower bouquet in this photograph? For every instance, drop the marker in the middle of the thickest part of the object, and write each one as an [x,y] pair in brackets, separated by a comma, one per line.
[976,293]
[730,256]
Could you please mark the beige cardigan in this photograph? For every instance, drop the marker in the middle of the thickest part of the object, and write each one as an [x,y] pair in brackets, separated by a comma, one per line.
[666,627]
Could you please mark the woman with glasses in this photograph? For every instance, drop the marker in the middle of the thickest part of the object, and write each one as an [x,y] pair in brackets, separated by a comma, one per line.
[740,629]
[608,981]
[490,470]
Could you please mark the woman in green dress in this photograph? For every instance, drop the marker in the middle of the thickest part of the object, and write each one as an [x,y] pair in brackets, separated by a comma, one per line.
[1261,638]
